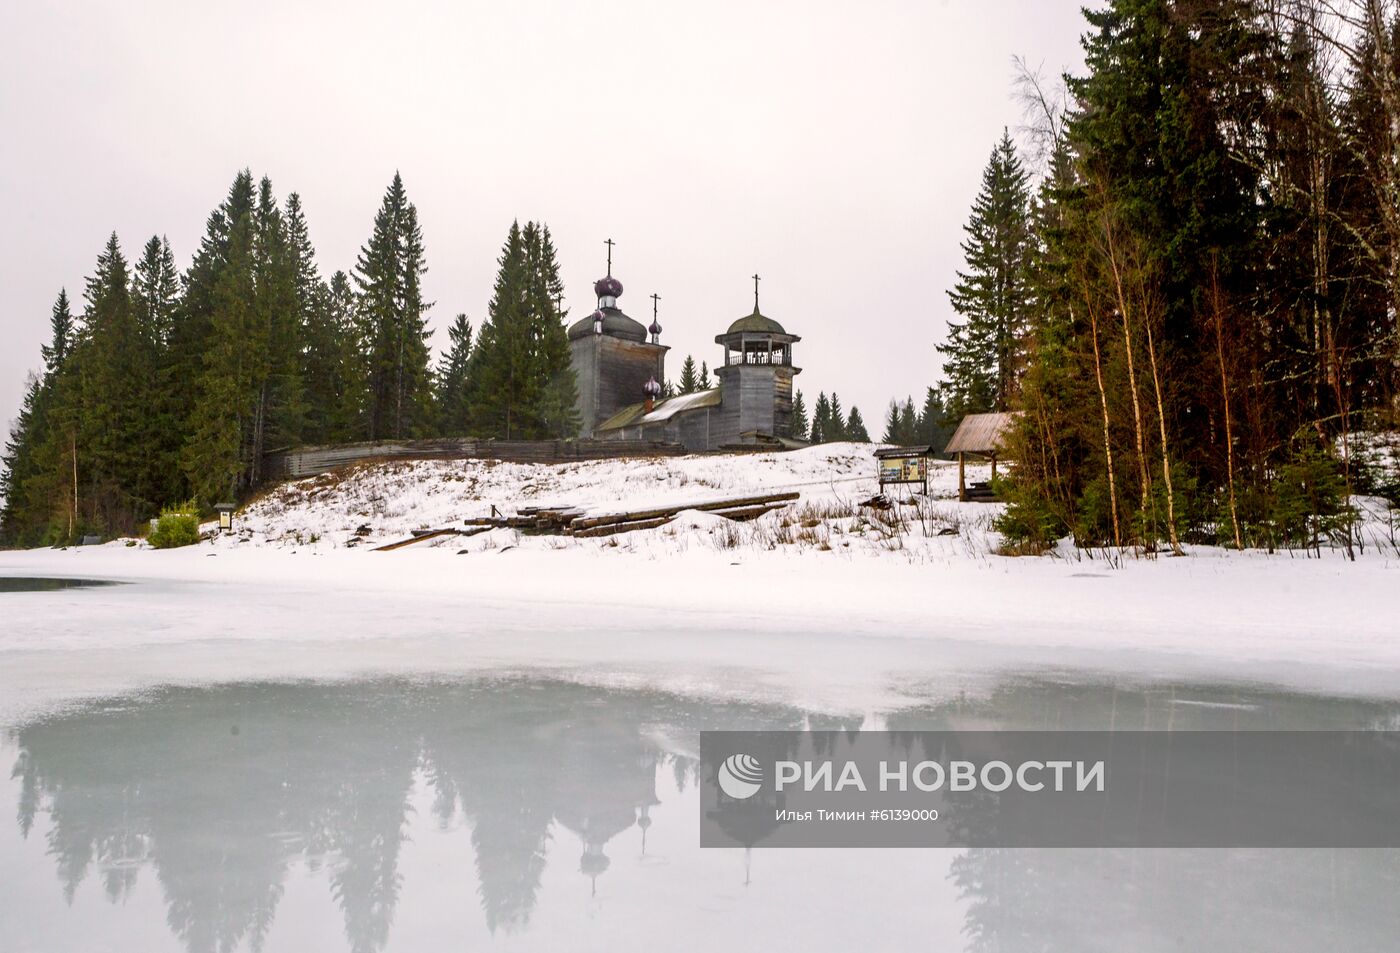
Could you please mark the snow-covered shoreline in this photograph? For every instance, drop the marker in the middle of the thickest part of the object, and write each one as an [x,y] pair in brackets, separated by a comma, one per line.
[852,617]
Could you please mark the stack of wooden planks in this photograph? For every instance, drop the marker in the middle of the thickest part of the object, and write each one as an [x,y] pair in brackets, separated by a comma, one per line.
[576,521]
[740,508]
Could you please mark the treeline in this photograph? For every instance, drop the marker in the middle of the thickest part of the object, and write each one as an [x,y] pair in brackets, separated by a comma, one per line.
[1194,304]
[167,387]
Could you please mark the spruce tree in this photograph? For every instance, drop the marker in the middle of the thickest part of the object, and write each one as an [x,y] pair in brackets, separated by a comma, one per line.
[855,427]
[983,354]
[336,370]
[155,294]
[116,365]
[392,312]
[17,467]
[934,430]
[908,423]
[453,413]
[821,419]
[690,377]
[215,457]
[156,290]
[835,428]
[280,409]
[186,353]
[33,491]
[522,383]
[557,410]
[704,382]
[892,423]
[61,334]
[800,423]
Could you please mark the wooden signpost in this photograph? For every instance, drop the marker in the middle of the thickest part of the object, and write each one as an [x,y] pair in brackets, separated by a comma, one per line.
[903,465]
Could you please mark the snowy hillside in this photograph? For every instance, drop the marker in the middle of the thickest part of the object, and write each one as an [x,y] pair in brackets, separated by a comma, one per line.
[386,502]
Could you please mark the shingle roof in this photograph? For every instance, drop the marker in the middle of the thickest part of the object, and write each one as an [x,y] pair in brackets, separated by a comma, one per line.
[980,433]
[662,410]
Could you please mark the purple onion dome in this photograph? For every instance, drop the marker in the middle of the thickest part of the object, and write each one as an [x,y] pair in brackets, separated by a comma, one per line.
[655,327]
[652,388]
[598,316]
[608,287]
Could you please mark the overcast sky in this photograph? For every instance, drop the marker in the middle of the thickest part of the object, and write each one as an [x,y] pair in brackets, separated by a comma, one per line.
[832,147]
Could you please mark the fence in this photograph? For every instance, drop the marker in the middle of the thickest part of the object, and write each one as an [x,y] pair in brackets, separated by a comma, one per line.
[308,461]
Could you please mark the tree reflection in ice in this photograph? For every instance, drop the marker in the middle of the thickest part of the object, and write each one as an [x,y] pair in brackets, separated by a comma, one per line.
[219,792]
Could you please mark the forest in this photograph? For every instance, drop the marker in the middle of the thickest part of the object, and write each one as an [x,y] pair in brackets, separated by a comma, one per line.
[1185,282]
[168,387]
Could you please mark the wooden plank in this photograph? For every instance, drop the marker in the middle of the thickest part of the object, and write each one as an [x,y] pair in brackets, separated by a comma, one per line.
[612,529]
[705,506]
[423,535]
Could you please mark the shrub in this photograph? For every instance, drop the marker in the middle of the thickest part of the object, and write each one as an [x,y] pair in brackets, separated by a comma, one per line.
[177,526]
[1029,524]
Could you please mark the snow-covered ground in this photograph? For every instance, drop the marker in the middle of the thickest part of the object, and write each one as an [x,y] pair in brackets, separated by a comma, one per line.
[824,604]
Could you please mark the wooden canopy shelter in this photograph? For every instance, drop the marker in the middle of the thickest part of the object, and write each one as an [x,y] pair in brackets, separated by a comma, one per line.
[981,435]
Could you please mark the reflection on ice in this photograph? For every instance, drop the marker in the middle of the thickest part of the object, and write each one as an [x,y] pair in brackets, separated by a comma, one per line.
[221,794]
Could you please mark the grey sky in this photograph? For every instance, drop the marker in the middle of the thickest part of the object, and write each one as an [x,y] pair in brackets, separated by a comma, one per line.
[833,147]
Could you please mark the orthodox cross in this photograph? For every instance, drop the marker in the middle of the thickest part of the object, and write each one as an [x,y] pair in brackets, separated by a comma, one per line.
[755,293]
[654,298]
[609,243]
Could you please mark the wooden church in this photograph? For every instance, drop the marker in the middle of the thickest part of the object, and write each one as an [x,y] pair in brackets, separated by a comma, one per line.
[619,365]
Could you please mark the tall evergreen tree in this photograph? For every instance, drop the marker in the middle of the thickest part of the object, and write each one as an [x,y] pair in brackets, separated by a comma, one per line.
[215,458]
[156,290]
[983,354]
[522,382]
[61,333]
[115,373]
[934,430]
[194,319]
[821,420]
[855,427]
[392,311]
[155,294]
[280,407]
[690,377]
[551,359]
[29,485]
[908,423]
[704,382]
[453,413]
[800,424]
[891,423]
[835,427]
[17,467]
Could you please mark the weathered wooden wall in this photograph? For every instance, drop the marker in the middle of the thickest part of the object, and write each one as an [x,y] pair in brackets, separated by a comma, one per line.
[610,373]
[307,461]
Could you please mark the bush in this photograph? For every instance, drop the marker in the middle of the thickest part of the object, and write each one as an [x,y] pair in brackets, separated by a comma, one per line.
[1028,524]
[177,526]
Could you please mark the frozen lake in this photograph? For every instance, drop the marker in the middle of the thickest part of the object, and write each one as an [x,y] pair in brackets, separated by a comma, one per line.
[275,753]
[535,813]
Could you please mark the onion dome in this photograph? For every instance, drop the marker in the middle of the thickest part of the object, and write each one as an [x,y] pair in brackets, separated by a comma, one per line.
[651,388]
[608,287]
[655,328]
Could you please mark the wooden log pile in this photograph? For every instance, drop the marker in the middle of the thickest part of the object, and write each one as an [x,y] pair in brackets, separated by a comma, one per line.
[573,521]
